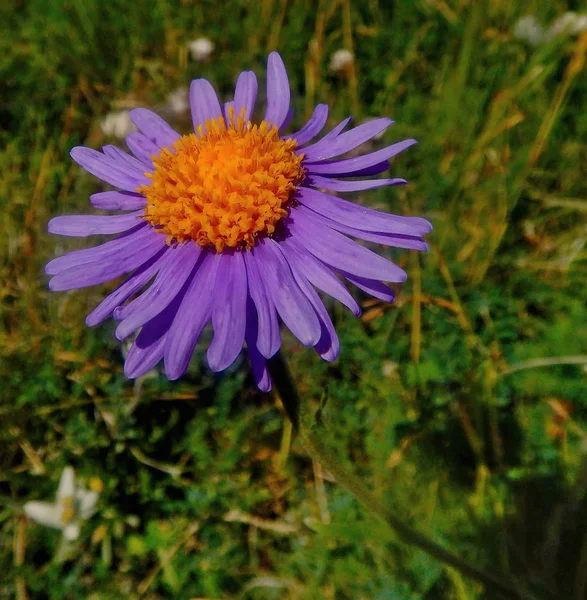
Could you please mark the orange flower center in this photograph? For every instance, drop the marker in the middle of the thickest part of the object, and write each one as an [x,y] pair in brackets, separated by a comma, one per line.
[225,186]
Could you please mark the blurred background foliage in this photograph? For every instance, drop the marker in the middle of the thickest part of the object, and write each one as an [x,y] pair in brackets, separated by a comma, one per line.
[462,405]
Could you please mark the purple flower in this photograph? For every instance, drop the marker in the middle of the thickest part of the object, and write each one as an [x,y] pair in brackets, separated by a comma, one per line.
[230,225]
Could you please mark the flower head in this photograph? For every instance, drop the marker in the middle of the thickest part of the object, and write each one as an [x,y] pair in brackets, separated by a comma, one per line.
[531,31]
[72,504]
[570,23]
[117,124]
[178,101]
[231,225]
[201,49]
[340,60]
[528,29]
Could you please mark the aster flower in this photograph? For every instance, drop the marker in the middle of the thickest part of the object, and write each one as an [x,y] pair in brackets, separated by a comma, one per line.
[72,504]
[230,225]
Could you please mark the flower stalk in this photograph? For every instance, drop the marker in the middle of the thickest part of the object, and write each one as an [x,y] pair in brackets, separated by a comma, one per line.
[297,411]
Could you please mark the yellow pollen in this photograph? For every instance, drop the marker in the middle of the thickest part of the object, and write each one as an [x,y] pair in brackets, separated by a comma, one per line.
[225,186]
[68,510]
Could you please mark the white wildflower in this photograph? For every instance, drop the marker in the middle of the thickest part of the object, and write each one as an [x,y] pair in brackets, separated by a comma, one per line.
[72,505]
[340,60]
[570,23]
[201,49]
[178,101]
[529,30]
[389,369]
[117,124]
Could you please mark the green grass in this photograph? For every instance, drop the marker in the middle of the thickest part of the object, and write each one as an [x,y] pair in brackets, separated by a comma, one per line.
[445,402]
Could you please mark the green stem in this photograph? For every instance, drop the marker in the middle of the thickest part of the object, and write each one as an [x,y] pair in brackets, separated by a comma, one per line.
[297,413]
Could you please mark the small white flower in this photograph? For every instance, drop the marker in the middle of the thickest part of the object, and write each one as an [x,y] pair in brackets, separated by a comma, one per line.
[340,60]
[178,101]
[389,369]
[570,23]
[201,48]
[72,505]
[529,30]
[117,124]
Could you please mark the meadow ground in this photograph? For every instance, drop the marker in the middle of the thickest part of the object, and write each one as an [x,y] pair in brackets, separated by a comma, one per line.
[462,405]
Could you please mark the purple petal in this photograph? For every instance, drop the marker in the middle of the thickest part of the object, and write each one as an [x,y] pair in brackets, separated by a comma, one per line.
[132,285]
[361,217]
[193,315]
[204,103]
[260,370]
[149,347]
[154,127]
[107,169]
[268,338]
[335,131]
[173,274]
[141,359]
[350,167]
[117,200]
[258,362]
[313,127]
[142,147]
[245,94]
[338,251]
[337,185]
[345,142]
[120,245]
[386,239]
[173,262]
[318,274]
[101,271]
[328,346]
[368,171]
[293,307]
[85,225]
[287,121]
[124,160]
[229,311]
[278,94]
[371,287]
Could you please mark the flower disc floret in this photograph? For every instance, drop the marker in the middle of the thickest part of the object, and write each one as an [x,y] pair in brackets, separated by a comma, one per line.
[225,186]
